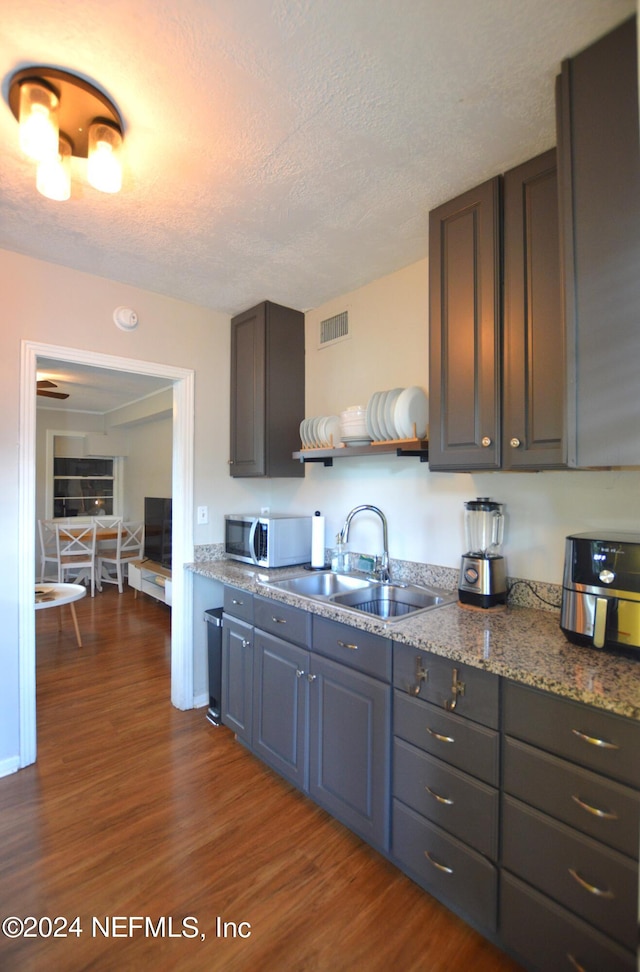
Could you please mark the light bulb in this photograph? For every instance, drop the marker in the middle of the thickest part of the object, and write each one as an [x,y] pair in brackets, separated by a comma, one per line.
[53,178]
[104,170]
[38,121]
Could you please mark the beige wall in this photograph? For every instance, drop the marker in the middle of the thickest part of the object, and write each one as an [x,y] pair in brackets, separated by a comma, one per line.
[388,321]
[50,304]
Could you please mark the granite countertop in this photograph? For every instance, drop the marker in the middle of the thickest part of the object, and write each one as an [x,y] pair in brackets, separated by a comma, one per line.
[519,643]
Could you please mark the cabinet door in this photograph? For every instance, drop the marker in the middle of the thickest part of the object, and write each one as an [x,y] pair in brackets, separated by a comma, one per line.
[599,156]
[534,358]
[280,706]
[237,677]
[464,331]
[350,733]
[267,391]
[248,405]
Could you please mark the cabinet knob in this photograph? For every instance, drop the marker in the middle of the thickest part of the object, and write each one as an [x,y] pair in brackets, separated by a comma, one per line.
[485,442]
[311,678]
[515,443]
[299,673]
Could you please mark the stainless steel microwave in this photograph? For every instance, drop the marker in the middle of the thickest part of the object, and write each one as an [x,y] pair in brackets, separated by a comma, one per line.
[276,540]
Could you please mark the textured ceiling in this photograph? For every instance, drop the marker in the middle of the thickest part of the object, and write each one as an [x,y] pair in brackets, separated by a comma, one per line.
[284,149]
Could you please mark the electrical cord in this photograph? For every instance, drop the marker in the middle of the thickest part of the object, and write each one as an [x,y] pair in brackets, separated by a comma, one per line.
[533,591]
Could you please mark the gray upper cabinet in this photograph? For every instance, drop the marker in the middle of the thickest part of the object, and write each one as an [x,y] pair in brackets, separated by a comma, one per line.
[599,167]
[464,331]
[534,354]
[267,391]
[497,360]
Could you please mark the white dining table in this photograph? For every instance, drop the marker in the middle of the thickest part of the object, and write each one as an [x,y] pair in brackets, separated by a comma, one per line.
[56,595]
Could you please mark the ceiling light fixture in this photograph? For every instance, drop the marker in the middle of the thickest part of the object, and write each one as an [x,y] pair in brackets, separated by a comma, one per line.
[61,115]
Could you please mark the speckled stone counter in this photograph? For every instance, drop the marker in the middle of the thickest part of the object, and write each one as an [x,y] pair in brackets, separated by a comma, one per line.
[519,643]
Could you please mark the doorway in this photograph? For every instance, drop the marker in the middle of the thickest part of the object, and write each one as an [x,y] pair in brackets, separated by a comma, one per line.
[182,484]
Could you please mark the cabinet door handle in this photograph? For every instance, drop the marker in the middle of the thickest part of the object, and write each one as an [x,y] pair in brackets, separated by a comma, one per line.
[279,620]
[299,673]
[603,814]
[240,603]
[435,863]
[591,888]
[439,798]
[457,688]
[515,442]
[593,740]
[311,678]
[439,736]
[422,675]
[345,644]
[485,442]
[245,643]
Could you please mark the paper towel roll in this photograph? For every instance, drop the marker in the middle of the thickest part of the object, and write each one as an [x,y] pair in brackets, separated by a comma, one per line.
[317,540]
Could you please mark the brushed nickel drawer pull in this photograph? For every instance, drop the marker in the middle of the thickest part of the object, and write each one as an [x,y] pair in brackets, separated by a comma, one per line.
[437,796]
[279,620]
[422,675]
[239,603]
[573,962]
[591,888]
[440,867]
[439,737]
[603,814]
[593,740]
[345,644]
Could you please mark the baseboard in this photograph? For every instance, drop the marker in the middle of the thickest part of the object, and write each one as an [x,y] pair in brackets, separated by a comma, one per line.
[8,766]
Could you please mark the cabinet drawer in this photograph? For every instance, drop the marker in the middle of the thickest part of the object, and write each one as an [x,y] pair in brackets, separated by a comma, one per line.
[548,937]
[449,737]
[238,604]
[598,807]
[595,882]
[367,652]
[445,867]
[283,621]
[456,802]
[599,740]
[478,692]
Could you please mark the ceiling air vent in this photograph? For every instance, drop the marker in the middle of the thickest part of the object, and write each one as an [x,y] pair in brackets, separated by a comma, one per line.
[334,329]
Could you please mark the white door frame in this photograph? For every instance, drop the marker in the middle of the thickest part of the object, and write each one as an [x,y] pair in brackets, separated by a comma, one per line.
[182,548]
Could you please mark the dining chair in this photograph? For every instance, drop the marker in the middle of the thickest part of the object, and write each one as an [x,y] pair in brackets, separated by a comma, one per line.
[48,546]
[129,546]
[76,548]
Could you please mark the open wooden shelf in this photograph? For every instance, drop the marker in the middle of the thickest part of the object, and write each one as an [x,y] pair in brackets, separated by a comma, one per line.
[399,447]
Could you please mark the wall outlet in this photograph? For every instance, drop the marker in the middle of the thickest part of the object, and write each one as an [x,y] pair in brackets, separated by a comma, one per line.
[203,515]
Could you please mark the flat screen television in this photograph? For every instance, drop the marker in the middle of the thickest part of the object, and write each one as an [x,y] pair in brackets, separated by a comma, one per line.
[157,530]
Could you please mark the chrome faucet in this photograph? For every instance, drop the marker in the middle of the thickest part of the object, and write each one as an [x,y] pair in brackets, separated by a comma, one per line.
[382,568]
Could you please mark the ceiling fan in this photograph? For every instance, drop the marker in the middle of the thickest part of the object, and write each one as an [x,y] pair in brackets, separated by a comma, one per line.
[44,388]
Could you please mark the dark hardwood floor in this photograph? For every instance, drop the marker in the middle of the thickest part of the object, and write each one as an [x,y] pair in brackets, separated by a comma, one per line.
[136,810]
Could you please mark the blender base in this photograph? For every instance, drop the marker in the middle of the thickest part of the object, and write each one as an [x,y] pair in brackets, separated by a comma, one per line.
[482,602]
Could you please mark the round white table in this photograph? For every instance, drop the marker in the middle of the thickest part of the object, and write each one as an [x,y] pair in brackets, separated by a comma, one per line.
[55,595]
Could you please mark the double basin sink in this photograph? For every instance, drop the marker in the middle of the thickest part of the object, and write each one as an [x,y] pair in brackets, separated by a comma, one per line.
[389,602]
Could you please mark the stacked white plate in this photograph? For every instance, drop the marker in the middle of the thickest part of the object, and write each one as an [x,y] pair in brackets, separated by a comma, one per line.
[353,426]
[400,413]
[321,432]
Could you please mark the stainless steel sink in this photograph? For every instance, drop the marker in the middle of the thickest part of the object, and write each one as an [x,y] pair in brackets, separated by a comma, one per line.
[324,584]
[392,602]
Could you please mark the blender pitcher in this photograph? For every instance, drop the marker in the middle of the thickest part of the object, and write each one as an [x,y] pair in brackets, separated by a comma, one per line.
[483,527]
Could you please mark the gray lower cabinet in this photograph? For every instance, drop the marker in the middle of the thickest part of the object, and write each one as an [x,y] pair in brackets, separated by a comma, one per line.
[315,704]
[570,825]
[446,774]
[237,677]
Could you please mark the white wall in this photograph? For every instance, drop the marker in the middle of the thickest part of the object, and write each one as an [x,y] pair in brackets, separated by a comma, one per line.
[388,320]
[45,303]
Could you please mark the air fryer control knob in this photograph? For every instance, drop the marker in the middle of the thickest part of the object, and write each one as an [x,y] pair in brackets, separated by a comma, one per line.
[607,576]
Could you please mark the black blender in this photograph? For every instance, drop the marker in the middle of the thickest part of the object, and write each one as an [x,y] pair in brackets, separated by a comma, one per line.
[483,581]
